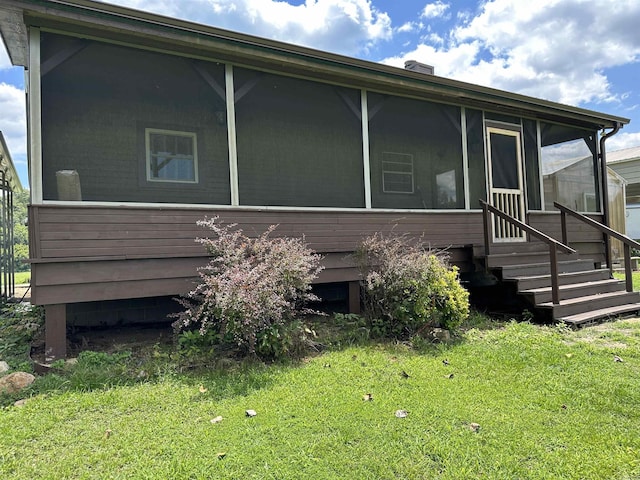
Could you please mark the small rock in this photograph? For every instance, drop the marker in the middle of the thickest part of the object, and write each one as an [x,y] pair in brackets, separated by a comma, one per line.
[474,427]
[250,413]
[218,419]
[401,413]
[20,403]
[14,382]
[441,335]
[4,367]
[70,362]
[367,397]
[616,358]
[450,376]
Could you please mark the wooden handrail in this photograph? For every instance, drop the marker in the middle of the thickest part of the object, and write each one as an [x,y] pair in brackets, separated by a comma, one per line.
[627,241]
[554,245]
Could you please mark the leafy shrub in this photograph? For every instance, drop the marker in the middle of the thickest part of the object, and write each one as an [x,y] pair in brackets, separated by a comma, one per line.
[408,289]
[251,289]
[19,324]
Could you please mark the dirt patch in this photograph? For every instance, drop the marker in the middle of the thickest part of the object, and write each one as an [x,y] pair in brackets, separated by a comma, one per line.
[607,334]
[132,338]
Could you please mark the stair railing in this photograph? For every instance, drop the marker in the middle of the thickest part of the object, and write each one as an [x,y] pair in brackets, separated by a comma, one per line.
[554,245]
[609,232]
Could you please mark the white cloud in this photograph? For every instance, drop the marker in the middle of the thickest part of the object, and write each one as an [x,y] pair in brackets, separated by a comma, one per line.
[407,27]
[12,119]
[623,140]
[435,10]
[343,26]
[555,49]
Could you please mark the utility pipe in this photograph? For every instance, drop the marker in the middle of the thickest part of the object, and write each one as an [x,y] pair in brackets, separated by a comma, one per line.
[605,191]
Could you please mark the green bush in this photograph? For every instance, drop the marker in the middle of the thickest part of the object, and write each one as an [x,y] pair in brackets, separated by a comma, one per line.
[251,292]
[409,289]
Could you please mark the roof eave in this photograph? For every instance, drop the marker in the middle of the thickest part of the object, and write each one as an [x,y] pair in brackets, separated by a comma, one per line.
[136,22]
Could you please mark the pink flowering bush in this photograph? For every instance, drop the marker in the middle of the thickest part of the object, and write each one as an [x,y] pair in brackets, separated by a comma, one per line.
[251,290]
[409,289]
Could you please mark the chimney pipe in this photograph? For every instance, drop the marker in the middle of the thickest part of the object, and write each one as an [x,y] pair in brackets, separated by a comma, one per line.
[416,66]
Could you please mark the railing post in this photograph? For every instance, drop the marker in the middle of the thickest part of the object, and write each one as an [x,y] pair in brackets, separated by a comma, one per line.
[555,291]
[485,220]
[627,268]
[563,220]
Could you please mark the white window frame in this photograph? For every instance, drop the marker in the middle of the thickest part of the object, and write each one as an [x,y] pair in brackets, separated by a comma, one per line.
[148,154]
[386,170]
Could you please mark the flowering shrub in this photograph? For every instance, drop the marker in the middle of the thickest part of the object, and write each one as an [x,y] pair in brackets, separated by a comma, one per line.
[408,289]
[251,289]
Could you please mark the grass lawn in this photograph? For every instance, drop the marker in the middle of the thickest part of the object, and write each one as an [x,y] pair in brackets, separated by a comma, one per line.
[636,279]
[550,404]
[22,277]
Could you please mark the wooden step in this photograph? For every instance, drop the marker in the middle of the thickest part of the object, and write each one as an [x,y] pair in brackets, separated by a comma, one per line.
[525,258]
[534,269]
[590,303]
[586,318]
[574,290]
[500,248]
[539,281]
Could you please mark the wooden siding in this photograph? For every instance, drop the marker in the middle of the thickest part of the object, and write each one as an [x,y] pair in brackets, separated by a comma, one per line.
[85,253]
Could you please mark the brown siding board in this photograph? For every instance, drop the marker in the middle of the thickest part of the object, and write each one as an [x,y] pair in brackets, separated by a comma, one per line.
[113,290]
[162,256]
[117,271]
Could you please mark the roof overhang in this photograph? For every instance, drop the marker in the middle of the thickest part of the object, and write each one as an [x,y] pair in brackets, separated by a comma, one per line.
[91,19]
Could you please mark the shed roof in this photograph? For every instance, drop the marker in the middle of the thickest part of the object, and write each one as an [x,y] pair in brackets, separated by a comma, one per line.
[624,155]
[7,166]
[93,19]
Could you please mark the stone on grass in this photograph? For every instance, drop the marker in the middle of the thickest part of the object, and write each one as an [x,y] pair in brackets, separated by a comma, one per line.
[14,382]
[20,403]
[441,335]
[4,367]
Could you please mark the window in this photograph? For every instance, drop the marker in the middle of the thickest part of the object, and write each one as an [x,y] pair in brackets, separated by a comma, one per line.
[171,156]
[397,172]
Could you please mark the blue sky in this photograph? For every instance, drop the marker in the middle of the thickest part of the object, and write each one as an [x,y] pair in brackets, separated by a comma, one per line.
[578,52]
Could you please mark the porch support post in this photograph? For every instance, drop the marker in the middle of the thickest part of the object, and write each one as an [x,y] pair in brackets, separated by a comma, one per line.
[364,108]
[55,318]
[34,117]
[354,297]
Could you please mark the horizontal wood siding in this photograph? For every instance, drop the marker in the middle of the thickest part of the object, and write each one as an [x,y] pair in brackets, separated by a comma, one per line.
[86,253]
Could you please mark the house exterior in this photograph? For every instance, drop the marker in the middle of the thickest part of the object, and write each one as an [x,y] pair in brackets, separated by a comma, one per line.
[9,183]
[626,163]
[139,125]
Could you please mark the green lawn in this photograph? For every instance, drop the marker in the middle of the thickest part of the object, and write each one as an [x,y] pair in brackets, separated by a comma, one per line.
[636,279]
[22,277]
[550,404]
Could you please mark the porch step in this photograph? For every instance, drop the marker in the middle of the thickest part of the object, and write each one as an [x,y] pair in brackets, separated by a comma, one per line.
[528,258]
[591,303]
[586,318]
[510,272]
[587,294]
[501,248]
[540,281]
[568,291]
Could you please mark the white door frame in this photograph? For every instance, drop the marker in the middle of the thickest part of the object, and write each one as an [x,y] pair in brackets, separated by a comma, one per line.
[509,200]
